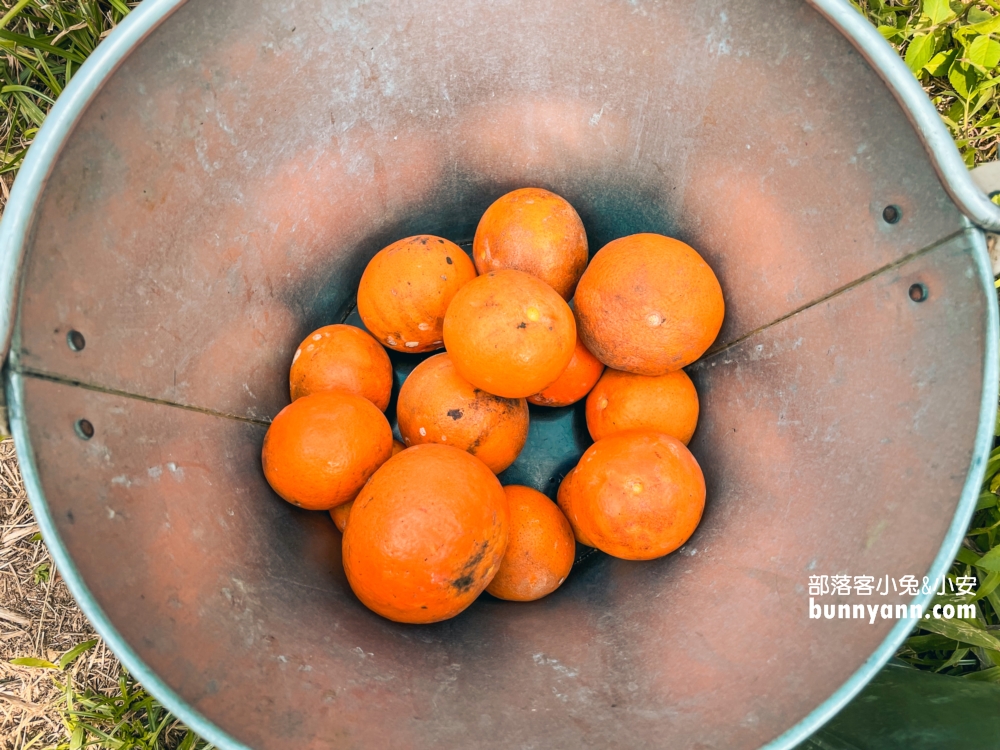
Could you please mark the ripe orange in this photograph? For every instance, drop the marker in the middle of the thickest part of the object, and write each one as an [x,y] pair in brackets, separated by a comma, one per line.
[535,231]
[623,401]
[637,495]
[648,304]
[341,513]
[540,548]
[437,405]
[575,382]
[406,288]
[342,357]
[509,333]
[426,534]
[321,449]
[565,499]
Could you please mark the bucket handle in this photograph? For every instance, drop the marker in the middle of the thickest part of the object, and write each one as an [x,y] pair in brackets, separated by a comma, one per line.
[961,187]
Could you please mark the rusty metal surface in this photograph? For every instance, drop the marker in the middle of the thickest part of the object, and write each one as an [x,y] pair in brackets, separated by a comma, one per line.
[221,194]
[836,441]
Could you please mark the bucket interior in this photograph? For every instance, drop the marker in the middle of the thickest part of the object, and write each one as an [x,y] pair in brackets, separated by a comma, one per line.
[219,199]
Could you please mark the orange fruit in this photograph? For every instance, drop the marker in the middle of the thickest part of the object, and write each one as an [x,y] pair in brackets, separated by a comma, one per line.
[540,548]
[637,495]
[509,333]
[341,513]
[342,357]
[427,534]
[406,288]
[437,405]
[321,448]
[575,382]
[648,304]
[535,231]
[624,401]
[564,499]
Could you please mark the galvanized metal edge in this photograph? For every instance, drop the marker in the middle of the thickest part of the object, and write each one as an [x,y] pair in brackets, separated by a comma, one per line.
[14,230]
[67,569]
[19,213]
[940,146]
[959,525]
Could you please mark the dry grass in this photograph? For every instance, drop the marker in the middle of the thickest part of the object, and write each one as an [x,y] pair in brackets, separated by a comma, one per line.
[39,618]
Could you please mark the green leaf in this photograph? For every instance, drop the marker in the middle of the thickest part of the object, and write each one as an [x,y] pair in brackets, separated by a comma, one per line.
[990,561]
[963,78]
[76,740]
[987,675]
[920,51]
[977,16]
[67,658]
[987,585]
[26,90]
[920,643]
[954,659]
[888,32]
[27,41]
[941,62]
[986,500]
[937,10]
[985,27]
[984,52]
[967,556]
[961,631]
[28,661]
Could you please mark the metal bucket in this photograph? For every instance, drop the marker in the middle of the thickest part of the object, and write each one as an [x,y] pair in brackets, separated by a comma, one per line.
[209,189]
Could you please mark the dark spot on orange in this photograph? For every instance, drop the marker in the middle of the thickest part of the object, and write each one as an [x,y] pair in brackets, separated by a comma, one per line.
[450,261]
[455,413]
[525,325]
[465,581]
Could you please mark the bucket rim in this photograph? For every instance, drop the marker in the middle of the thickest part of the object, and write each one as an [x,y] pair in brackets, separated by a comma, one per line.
[16,227]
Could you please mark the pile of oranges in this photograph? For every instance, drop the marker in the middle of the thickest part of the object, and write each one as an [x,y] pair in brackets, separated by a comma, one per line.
[427,526]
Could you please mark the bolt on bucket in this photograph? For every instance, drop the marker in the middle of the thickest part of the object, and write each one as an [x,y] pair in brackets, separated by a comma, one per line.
[209,190]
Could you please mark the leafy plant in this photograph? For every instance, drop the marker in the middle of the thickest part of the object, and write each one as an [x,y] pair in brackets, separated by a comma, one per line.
[953,48]
[41,574]
[130,719]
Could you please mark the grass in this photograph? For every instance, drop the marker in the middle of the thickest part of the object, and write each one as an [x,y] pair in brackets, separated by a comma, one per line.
[953,48]
[44,42]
